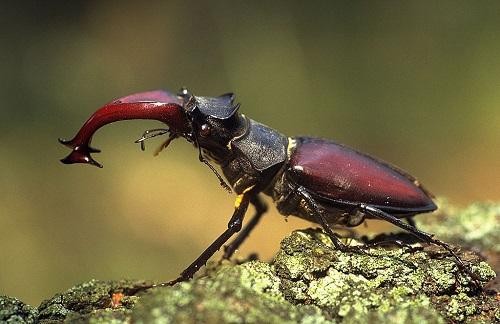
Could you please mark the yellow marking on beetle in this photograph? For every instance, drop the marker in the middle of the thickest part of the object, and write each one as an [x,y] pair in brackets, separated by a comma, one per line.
[240,197]
[238,200]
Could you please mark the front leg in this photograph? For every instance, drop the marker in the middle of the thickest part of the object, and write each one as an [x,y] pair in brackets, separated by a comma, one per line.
[260,209]
[234,226]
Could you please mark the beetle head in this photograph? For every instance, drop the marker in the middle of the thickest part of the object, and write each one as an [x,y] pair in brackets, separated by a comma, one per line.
[214,120]
[209,122]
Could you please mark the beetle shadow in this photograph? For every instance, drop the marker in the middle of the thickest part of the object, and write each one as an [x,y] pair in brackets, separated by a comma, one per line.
[390,239]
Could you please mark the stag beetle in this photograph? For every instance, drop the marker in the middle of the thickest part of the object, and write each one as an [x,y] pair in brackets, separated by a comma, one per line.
[315,179]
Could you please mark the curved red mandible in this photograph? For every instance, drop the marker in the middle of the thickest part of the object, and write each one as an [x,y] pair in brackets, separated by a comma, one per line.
[158,104]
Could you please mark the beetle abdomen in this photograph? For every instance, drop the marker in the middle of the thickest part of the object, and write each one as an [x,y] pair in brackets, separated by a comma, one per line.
[339,173]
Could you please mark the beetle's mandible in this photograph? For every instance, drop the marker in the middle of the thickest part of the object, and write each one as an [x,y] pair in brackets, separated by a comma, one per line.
[315,179]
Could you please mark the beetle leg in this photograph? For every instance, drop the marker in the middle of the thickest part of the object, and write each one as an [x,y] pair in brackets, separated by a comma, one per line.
[426,237]
[316,212]
[411,221]
[260,209]
[234,226]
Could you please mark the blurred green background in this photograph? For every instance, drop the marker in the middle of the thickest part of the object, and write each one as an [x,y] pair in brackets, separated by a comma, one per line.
[416,83]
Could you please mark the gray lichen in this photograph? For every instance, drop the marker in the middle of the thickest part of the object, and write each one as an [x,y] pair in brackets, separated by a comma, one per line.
[357,287]
[247,293]
[12,310]
[308,281]
[94,301]
[477,226]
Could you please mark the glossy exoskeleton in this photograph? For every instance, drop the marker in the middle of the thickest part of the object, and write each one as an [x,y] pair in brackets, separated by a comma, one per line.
[315,179]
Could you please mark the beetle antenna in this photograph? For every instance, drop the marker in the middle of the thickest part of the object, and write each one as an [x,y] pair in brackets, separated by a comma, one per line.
[202,159]
[221,180]
[164,145]
[150,133]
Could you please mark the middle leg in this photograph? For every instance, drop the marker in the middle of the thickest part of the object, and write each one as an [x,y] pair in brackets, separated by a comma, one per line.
[316,212]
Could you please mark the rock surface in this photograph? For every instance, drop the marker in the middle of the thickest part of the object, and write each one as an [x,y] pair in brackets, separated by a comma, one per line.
[308,281]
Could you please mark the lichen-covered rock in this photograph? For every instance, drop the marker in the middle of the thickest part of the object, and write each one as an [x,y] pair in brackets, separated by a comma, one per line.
[308,281]
[476,226]
[247,293]
[396,283]
[12,310]
[94,301]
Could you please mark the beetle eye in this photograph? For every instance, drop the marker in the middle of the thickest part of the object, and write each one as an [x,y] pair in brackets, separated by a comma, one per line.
[205,130]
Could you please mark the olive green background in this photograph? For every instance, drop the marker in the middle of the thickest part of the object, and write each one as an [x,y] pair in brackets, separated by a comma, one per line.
[416,83]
